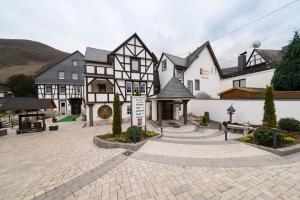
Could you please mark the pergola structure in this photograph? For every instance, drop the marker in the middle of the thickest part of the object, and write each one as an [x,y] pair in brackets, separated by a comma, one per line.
[27,104]
[164,105]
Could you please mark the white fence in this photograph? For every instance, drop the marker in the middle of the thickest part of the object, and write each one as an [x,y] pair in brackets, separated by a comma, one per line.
[246,110]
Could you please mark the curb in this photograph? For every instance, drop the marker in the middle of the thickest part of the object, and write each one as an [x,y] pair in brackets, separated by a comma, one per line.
[281,151]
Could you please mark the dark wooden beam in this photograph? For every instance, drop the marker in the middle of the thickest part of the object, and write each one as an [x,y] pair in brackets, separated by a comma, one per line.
[185,112]
[159,113]
[91,120]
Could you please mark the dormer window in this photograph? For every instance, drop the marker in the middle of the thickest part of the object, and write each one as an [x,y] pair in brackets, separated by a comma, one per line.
[164,65]
[180,74]
[135,65]
[61,75]
[75,76]
[75,63]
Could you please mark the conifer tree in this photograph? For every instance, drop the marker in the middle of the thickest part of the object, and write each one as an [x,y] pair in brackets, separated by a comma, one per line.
[287,75]
[269,119]
[117,129]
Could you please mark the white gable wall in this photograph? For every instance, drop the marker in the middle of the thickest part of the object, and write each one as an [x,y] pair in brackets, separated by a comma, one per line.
[256,80]
[208,83]
[165,76]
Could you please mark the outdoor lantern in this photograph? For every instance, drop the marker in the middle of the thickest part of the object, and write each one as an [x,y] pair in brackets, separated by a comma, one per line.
[230,111]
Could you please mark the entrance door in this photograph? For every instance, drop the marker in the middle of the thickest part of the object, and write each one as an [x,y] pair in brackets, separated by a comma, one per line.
[63,107]
[75,106]
[167,108]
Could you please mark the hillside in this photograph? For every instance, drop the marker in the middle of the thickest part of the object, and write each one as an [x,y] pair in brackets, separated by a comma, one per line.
[25,57]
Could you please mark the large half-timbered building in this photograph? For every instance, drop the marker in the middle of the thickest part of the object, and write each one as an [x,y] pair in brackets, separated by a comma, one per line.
[126,70]
[64,83]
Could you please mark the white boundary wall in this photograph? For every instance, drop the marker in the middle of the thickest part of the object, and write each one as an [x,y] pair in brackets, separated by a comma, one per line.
[246,110]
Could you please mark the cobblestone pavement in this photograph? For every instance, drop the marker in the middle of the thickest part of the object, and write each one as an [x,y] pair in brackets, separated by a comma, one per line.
[197,165]
[34,163]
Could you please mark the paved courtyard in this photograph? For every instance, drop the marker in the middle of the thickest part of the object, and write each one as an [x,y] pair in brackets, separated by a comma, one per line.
[196,165]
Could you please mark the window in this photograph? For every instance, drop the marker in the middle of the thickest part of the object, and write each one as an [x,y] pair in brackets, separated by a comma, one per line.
[143,87]
[197,84]
[164,65]
[61,75]
[75,63]
[75,76]
[48,89]
[135,65]
[62,89]
[190,85]
[129,87]
[128,110]
[78,89]
[102,88]
[239,83]
[136,87]
[180,74]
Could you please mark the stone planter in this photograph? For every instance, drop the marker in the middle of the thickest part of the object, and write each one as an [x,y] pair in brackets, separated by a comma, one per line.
[280,151]
[3,132]
[111,145]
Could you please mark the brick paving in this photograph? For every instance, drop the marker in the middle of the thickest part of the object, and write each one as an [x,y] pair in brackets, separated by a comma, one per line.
[197,165]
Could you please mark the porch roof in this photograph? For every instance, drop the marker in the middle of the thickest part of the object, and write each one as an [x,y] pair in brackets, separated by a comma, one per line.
[174,90]
[25,103]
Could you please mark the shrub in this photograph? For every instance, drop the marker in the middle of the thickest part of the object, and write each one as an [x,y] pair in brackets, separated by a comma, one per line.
[288,140]
[205,119]
[269,119]
[130,133]
[117,116]
[264,137]
[289,124]
[248,138]
[150,133]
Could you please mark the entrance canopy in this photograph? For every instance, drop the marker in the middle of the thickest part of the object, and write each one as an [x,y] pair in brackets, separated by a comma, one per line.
[174,90]
[25,103]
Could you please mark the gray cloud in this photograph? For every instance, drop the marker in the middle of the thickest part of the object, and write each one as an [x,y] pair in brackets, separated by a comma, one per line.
[164,25]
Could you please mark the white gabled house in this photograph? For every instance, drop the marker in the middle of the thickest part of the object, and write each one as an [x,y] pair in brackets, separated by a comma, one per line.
[126,70]
[181,79]
[64,83]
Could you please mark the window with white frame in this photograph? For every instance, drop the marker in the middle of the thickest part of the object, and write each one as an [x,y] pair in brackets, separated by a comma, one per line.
[197,84]
[129,87]
[78,89]
[135,65]
[62,89]
[75,76]
[128,110]
[143,87]
[48,89]
[164,65]
[190,85]
[75,63]
[239,83]
[61,75]
[135,87]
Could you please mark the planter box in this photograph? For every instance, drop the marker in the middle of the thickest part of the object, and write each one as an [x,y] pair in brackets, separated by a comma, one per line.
[111,145]
[3,132]
[53,128]
[280,151]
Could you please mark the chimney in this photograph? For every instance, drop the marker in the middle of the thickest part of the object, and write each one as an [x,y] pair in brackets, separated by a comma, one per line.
[242,61]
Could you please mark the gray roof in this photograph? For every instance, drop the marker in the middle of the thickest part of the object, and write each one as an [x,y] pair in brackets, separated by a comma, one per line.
[272,58]
[176,60]
[4,88]
[174,89]
[25,103]
[96,55]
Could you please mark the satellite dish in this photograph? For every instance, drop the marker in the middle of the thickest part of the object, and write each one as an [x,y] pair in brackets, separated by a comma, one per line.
[256,44]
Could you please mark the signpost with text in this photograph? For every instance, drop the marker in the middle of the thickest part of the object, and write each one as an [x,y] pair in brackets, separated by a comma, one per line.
[138,114]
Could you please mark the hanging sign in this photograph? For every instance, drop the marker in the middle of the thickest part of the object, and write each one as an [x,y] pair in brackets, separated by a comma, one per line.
[138,106]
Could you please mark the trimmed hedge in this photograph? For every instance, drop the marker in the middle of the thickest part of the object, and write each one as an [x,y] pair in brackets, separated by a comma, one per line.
[264,137]
[138,133]
[289,124]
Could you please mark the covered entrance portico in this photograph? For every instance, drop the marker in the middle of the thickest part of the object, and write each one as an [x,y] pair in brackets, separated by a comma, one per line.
[171,102]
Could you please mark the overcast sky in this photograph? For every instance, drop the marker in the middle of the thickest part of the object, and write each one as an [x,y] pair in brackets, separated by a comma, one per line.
[171,26]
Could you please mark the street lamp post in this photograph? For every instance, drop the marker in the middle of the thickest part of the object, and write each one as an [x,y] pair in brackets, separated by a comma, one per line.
[230,111]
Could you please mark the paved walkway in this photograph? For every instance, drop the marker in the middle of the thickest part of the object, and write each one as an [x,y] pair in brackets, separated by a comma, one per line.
[196,165]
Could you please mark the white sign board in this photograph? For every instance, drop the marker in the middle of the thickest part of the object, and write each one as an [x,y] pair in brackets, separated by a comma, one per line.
[138,106]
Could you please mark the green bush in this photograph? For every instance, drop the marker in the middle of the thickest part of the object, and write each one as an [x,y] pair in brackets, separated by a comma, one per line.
[288,140]
[248,138]
[117,119]
[289,124]
[130,133]
[205,119]
[150,133]
[264,137]
[269,120]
